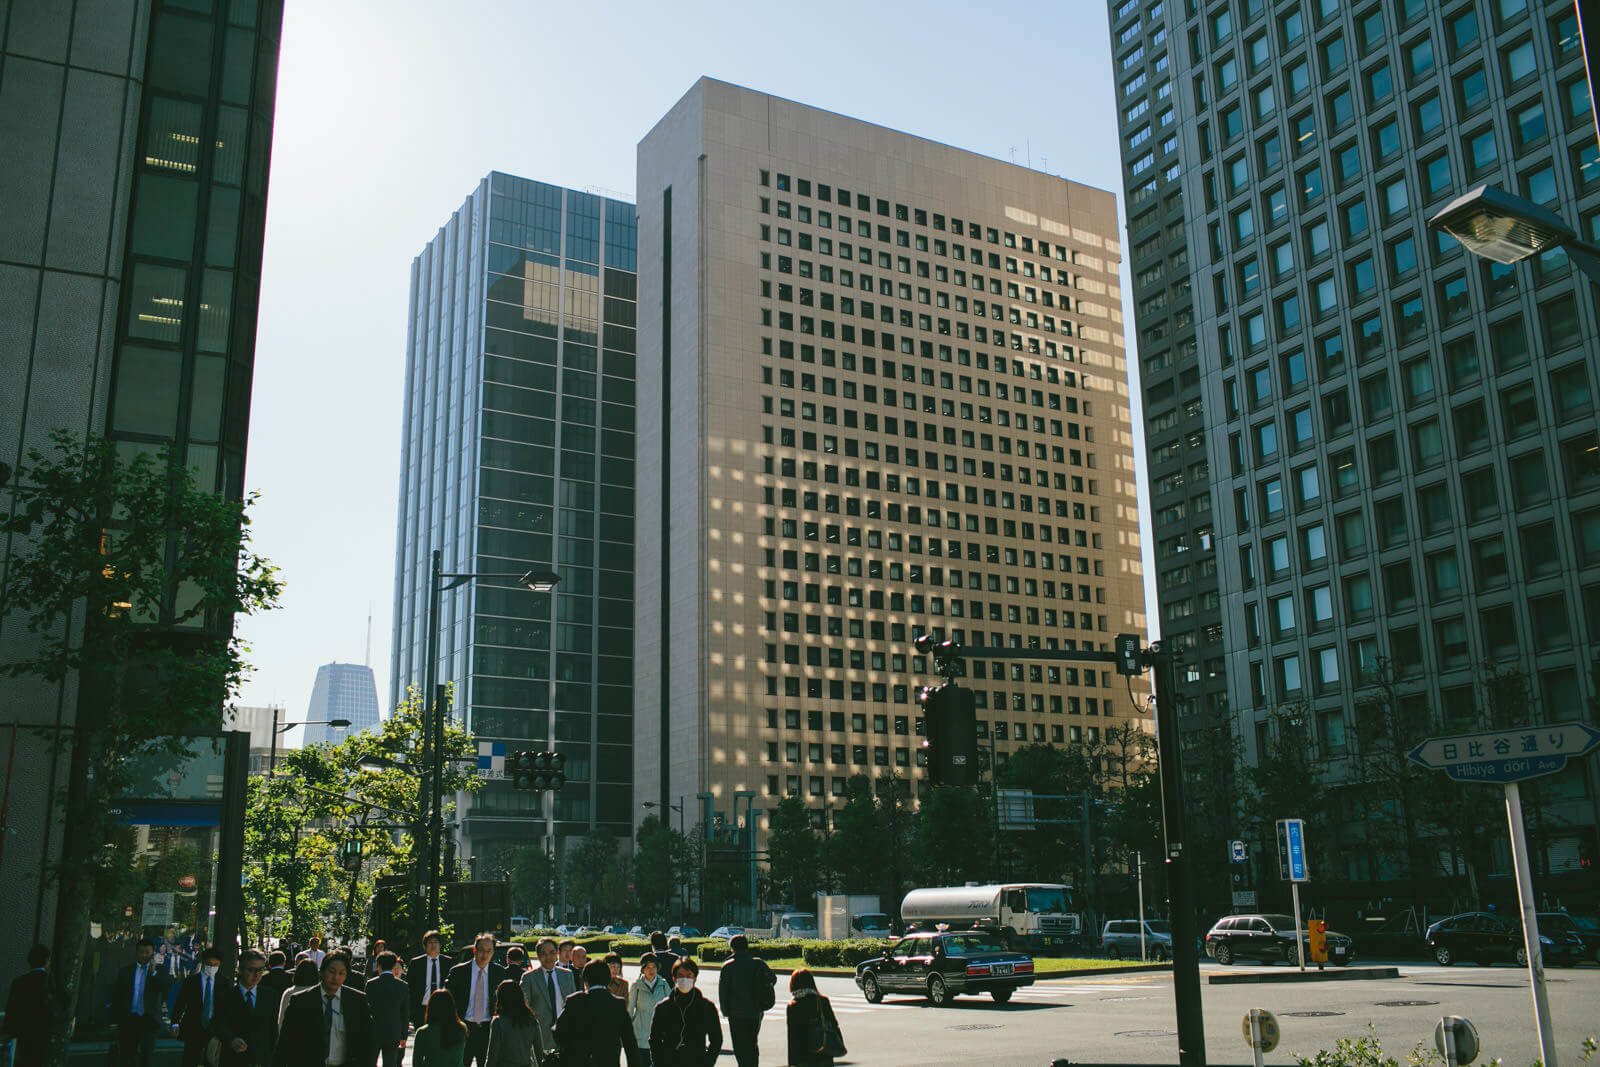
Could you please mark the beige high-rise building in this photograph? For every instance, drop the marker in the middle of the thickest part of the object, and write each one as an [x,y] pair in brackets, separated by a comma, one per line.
[881,389]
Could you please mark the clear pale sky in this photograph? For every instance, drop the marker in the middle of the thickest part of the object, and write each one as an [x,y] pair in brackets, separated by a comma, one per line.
[389,113]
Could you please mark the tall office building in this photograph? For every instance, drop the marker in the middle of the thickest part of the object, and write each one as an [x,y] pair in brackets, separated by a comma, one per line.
[517,454]
[134,189]
[342,691]
[1366,446]
[883,379]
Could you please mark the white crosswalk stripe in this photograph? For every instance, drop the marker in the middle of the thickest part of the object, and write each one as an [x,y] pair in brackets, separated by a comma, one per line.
[1061,991]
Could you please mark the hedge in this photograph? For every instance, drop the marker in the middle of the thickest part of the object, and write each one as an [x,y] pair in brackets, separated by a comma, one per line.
[629,948]
[842,953]
[717,951]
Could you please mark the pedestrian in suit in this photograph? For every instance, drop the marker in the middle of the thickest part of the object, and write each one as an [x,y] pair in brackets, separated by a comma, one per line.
[31,1009]
[246,1016]
[357,978]
[516,963]
[196,1003]
[513,1032]
[546,988]
[327,1025]
[275,981]
[138,1001]
[659,952]
[594,1028]
[390,1001]
[473,985]
[379,946]
[426,973]
[745,991]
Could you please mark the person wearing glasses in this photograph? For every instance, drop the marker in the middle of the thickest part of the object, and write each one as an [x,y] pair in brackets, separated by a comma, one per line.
[245,1016]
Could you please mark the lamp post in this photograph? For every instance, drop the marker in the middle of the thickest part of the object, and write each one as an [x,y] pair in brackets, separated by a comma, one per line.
[1497,225]
[272,759]
[439,581]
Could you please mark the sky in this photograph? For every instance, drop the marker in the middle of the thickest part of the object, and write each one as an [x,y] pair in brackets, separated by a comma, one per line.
[388,115]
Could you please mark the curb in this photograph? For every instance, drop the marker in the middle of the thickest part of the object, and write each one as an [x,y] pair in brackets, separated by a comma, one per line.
[1342,974]
[1081,972]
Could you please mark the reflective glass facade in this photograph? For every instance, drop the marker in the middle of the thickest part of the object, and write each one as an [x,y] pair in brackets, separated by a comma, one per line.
[341,691]
[1387,444]
[518,454]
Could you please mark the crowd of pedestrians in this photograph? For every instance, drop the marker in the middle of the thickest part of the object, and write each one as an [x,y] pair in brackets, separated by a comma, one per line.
[559,1010]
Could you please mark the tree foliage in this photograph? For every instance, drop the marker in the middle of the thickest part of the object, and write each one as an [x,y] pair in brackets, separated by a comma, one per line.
[954,840]
[127,576]
[794,852]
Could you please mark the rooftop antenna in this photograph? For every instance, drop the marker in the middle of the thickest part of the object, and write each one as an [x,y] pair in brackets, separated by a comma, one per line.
[1013,155]
[368,660]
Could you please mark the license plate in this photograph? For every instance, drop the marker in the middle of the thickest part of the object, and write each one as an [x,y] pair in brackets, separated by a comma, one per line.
[1338,952]
[1053,941]
[1001,968]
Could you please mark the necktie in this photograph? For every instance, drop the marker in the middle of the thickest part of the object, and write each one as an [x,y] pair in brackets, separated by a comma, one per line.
[555,999]
[327,1015]
[137,1007]
[205,1001]
[250,999]
[433,974]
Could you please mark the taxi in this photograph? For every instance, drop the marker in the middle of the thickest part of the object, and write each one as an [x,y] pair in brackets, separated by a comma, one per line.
[944,964]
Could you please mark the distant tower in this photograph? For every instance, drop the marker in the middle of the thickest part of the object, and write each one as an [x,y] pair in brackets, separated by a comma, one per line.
[343,691]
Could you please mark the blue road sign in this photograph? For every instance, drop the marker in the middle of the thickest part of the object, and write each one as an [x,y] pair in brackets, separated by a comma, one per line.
[1292,866]
[1505,756]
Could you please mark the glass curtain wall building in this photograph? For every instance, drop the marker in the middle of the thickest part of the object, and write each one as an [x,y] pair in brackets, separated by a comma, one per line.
[1397,439]
[518,454]
[341,691]
[137,140]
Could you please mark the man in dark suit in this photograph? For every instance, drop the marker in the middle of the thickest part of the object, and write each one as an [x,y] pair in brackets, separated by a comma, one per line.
[594,1025]
[245,1016]
[196,1003]
[327,1024]
[473,985]
[516,963]
[273,985]
[31,1009]
[390,1001]
[138,999]
[546,988]
[426,973]
[379,946]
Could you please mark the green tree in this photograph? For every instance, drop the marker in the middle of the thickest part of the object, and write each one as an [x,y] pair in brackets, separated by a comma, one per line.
[954,835]
[793,851]
[899,824]
[854,850]
[597,878]
[129,576]
[655,868]
[1288,782]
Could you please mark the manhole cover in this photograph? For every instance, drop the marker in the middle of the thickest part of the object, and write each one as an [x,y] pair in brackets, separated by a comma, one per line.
[1310,1014]
[977,1026]
[1406,1003]
[1147,1033]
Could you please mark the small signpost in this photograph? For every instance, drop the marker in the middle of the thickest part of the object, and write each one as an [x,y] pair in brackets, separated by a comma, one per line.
[1506,757]
[1261,1032]
[1238,851]
[157,909]
[1293,869]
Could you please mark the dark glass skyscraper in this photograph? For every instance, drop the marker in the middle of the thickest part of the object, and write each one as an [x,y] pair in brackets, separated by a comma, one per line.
[135,142]
[518,454]
[1372,456]
[342,691]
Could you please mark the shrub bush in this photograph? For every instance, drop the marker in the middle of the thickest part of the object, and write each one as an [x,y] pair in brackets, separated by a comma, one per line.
[718,951]
[842,953]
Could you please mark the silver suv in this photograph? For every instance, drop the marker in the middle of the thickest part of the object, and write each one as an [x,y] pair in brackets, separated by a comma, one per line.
[1120,938]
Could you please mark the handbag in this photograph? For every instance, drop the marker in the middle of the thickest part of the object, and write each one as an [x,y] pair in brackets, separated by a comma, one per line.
[824,1032]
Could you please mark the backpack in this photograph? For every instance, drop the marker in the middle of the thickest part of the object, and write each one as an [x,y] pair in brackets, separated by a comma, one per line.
[766,991]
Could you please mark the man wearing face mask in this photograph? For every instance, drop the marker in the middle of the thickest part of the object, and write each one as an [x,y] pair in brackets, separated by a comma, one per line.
[191,1015]
[685,1031]
[594,1025]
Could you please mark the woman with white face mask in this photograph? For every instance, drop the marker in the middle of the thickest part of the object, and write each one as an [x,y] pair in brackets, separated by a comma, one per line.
[686,1031]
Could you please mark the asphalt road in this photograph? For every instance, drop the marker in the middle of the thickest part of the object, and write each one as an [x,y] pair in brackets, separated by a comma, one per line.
[1130,1018]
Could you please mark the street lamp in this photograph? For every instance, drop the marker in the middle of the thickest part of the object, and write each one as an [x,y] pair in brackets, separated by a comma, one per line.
[1499,226]
[272,759]
[439,581]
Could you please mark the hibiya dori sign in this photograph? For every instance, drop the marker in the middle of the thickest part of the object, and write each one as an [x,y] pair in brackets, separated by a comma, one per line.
[1506,757]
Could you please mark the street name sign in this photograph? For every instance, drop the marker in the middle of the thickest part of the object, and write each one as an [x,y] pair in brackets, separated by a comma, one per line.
[1292,851]
[1505,756]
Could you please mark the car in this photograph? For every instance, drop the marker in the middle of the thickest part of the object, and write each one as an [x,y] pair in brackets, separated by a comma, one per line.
[945,964]
[521,924]
[684,931]
[1484,938]
[1269,938]
[1120,937]
[727,933]
[1583,927]
[615,930]
[638,931]
[568,930]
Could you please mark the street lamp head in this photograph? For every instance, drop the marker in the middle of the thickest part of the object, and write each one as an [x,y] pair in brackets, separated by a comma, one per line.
[1494,224]
[540,581]
[339,724]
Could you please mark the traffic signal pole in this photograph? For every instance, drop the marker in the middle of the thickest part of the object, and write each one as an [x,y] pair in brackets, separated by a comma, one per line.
[1129,659]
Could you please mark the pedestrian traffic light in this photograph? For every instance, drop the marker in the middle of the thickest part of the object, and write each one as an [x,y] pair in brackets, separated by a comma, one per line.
[538,771]
[950,715]
[1129,658]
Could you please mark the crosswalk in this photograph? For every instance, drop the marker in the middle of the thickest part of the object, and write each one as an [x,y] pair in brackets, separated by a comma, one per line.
[849,1001]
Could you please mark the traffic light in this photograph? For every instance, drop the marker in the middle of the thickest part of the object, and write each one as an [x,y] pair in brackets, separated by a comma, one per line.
[538,771]
[951,746]
[1129,658]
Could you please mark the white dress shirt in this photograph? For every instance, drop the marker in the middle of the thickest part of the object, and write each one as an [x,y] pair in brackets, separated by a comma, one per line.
[336,1031]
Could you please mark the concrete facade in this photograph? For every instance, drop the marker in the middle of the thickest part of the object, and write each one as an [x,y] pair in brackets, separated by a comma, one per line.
[850,338]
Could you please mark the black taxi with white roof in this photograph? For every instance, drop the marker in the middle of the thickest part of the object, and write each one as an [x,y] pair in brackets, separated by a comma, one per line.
[943,964]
